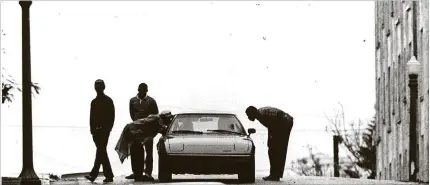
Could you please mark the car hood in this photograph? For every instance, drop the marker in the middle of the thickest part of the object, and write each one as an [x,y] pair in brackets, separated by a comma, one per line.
[208,144]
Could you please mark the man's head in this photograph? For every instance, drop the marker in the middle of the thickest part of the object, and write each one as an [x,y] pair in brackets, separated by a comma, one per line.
[143,89]
[166,119]
[252,113]
[165,114]
[99,86]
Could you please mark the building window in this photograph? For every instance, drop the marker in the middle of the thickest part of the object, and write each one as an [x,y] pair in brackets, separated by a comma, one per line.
[422,145]
[399,38]
[399,87]
[400,161]
[390,171]
[389,85]
[378,63]
[389,50]
[420,12]
[385,173]
[404,27]
[405,161]
[417,156]
[409,25]
[384,52]
[380,92]
[378,110]
[394,87]
[398,8]
[399,168]
[383,92]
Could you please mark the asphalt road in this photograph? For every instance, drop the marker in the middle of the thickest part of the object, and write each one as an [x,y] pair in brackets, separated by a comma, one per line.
[232,179]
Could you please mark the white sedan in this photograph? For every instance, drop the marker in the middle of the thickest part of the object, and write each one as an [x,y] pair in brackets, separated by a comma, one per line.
[206,143]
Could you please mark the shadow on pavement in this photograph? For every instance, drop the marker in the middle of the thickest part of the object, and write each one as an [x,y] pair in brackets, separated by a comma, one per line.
[223,181]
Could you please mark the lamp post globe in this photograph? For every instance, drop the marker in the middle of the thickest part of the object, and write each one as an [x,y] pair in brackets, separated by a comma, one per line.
[413,66]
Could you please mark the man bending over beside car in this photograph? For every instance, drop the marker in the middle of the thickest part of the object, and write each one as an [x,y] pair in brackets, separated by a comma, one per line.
[279,125]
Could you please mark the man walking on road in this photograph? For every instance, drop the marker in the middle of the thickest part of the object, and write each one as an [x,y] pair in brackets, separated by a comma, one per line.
[102,117]
[141,106]
[279,125]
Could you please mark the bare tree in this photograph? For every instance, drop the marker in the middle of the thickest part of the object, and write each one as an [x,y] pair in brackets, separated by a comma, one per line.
[316,162]
[308,166]
[357,141]
[302,166]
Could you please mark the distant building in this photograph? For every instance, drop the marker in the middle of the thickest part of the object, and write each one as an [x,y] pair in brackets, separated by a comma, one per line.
[402,32]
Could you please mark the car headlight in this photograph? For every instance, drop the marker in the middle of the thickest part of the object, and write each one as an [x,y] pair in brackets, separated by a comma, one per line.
[243,146]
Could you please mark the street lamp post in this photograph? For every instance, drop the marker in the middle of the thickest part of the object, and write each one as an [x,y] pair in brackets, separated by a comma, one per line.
[413,67]
[28,175]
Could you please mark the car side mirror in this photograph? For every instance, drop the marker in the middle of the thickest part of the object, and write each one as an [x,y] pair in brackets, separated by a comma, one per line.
[251,131]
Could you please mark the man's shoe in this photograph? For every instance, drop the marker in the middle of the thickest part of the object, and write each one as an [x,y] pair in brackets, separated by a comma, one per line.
[90,178]
[270,178]
[148,178]
[139,179]
[130,176]
[108,180]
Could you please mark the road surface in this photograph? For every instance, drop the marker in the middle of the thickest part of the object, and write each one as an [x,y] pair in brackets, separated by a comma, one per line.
[232,179]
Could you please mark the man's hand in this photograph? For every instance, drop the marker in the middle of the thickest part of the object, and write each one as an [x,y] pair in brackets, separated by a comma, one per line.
[150,118]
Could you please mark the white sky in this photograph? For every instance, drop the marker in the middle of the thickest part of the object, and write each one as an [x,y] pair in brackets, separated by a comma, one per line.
[193,55]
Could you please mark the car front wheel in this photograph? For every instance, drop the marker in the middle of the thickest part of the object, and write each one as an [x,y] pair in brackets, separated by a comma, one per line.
[247,173]
[164,174]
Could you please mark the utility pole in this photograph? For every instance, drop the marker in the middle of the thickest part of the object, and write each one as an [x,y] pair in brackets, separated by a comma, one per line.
[336,141]
[27,176]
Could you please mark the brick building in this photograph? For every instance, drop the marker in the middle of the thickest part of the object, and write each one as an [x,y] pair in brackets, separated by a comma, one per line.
[402,33]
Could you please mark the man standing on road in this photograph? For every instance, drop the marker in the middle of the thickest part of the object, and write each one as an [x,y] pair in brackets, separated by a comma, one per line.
[141,106]
[102,117]
[279,125]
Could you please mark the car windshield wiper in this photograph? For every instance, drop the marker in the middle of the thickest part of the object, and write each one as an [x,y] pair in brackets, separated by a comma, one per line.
[225,131]
[187,132]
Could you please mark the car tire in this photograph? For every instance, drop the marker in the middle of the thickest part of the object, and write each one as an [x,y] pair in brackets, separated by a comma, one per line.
[247,174]
[164,174]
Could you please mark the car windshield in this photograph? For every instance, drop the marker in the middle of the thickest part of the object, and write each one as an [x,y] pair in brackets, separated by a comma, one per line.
[206,124]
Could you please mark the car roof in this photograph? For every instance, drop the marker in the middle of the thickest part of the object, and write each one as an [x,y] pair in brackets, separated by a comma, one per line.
[205,113]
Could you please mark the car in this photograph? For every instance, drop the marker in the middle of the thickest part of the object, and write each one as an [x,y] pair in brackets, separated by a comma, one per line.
[206,143]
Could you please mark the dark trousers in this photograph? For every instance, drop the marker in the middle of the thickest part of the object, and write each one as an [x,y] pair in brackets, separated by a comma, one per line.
[139,162]
[277,157]
[101,139]
[278,146]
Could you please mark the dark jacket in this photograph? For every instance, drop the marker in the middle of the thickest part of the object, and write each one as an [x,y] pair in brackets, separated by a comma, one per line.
[141,131]
[278,124]
[142,108]
[102,114]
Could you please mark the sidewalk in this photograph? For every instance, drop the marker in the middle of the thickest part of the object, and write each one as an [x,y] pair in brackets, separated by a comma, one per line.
[78,179]
[232,179]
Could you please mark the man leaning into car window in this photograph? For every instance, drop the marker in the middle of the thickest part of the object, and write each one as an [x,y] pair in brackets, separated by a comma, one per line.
[279,125]
[141,106]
